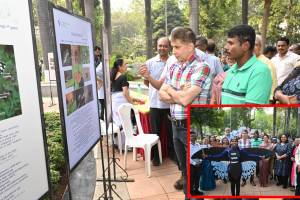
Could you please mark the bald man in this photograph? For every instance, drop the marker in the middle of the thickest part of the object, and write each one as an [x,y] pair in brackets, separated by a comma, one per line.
[260,56]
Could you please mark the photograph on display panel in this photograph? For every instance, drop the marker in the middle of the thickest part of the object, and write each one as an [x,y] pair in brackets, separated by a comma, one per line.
[243,151]
[10,104]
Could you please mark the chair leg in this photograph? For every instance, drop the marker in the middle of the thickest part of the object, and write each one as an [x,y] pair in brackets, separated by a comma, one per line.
[134,154]
[125,157]
[159,151]
[120,142]
[147,151]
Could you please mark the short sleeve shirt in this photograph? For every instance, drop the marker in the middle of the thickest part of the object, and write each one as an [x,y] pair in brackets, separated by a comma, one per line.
[155,67]
[119,83]
[250,83]
[196,72]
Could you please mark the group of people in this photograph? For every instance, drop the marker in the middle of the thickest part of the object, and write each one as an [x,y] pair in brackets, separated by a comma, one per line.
[194,75]
[283,166]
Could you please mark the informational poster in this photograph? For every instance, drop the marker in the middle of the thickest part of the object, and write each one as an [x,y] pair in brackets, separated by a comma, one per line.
[23,165]
[76,80]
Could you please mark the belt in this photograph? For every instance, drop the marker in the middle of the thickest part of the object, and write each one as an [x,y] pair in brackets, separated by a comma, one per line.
[178,123]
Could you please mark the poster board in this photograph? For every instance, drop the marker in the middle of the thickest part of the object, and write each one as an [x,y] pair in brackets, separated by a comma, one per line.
[23,162]
[76,83]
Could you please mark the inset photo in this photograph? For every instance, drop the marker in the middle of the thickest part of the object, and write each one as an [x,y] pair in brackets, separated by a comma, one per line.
[86,74]
[80,98]
[77,76]
[10,102]
[75,54]
[69,81]
[88,93]
[65,50]
[71,103]
[243,151]
[84,55]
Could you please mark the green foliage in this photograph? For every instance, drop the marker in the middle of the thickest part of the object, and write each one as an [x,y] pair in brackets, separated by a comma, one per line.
[174,14]
[202,118]
[10,104]
[55,147]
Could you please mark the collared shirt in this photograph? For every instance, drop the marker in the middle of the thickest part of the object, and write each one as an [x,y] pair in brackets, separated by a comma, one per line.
[244,144]
[251,83]
[272,68]
[214,64]
[285,65]
[155,67]
[194,71]
[256,143]
[194,148]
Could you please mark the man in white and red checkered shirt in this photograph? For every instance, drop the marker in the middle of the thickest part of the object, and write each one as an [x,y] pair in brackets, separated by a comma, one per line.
[187,81]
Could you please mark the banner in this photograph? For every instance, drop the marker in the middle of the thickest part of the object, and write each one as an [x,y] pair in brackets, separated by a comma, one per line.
[76,80]
[23,164]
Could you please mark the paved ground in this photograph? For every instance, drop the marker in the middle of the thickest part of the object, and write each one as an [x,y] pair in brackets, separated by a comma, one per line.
[160,185]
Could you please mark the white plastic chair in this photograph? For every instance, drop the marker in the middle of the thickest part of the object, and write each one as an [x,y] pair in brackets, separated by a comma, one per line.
[145,141]
[116,129]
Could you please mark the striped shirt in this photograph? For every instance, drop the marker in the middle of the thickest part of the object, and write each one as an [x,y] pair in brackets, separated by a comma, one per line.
[194,71]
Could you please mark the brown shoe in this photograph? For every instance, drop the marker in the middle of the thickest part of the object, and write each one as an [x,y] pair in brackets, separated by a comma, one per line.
[178,185]
[252,183]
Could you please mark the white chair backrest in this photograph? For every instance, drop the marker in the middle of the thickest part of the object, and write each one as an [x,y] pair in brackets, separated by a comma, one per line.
[125,117]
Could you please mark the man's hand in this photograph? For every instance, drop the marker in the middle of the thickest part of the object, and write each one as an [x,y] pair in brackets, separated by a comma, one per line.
[143,71]
[185,86]
[163,94]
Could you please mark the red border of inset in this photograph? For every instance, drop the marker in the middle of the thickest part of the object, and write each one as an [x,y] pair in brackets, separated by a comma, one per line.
[231,106]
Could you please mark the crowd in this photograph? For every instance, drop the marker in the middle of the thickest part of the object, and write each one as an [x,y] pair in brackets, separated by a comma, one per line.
[194,74]
[282,167]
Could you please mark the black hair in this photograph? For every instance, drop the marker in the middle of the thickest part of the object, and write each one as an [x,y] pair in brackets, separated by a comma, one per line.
[267,136]
[201,40]
[285,39]
[256,132]
[211,47]
[285,136]
[119,62]
[184,34]
[270,49]
[245,33]
[97,48]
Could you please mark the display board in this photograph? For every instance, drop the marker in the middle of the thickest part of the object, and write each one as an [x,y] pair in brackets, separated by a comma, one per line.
[76,80]
[23,163]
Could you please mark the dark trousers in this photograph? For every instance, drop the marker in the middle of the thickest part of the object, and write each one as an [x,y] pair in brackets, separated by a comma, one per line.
[102,104]
[297,191]
[235,187]
[283,180]
[157,118]
[180,146]
[195,173]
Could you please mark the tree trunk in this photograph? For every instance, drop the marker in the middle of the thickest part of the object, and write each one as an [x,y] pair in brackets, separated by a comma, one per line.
[149,29]
[89,13]
[274,121]
[82,7]
[69,5]
[107,21]
[42,8]
[265,21]
[201,132]
[287,120]
[194,15]
[245,11]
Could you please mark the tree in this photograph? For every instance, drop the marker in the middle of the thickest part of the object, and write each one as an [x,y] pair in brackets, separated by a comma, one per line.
[107,21]
[89,13]
[210,117]
[42,8]
[174,15]
[264,27]
[148,28]
[69,5]
[245,11]
[194,15]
